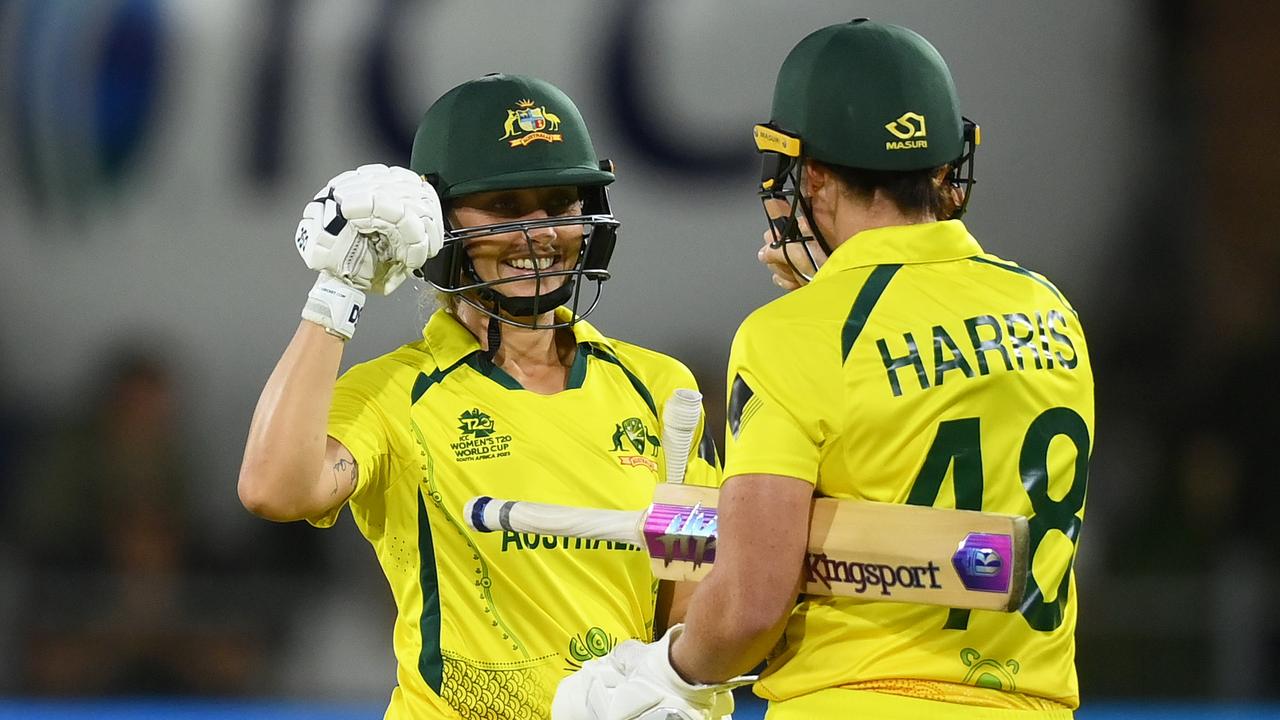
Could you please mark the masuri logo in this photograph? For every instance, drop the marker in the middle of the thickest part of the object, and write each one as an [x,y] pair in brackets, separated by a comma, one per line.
[909,128]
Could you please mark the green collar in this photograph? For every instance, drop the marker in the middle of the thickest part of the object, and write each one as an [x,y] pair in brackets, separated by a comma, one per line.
[450,342]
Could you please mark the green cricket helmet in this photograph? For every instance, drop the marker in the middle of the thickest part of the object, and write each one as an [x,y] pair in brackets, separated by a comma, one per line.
[504,132]
[864,95]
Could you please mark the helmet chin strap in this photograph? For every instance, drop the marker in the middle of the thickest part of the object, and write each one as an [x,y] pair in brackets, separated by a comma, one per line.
[495,342]
[530,305]
[519,306]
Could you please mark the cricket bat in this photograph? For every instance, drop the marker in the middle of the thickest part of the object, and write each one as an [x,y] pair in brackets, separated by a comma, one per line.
[869,550]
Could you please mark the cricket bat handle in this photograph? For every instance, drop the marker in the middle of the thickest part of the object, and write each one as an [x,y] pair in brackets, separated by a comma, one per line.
[680,417]
[487,514]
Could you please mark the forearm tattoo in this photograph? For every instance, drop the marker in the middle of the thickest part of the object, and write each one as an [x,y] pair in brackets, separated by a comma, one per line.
[344,472]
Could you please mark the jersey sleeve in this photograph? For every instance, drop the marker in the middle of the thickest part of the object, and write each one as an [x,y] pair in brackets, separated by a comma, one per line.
[357,420]
[704,461]
[774,422]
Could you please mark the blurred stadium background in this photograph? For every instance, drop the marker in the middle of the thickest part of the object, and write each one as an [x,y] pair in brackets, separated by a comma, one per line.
[155,155]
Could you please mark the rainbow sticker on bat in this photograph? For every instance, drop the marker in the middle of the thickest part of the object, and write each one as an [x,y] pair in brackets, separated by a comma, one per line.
[681,533]
[983,562]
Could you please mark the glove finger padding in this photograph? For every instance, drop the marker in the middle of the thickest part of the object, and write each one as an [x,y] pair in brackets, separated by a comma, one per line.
[329,243]
[388,246]
[393,204]
[405,175]
[424,244]
[367,229]
[406,212]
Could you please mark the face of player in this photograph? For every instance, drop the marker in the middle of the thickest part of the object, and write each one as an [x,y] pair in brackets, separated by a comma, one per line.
[522,253]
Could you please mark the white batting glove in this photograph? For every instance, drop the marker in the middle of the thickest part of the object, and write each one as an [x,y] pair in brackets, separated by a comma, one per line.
[582,695]
[635,681]
[367,229]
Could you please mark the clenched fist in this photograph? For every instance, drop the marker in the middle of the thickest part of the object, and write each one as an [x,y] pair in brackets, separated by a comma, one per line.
[367,229]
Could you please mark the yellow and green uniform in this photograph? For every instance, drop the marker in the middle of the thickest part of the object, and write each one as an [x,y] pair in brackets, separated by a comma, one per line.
[918,369]
[488,624]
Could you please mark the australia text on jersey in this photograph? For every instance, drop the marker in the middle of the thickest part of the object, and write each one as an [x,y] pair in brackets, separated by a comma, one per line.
[535,541]
[1017,340]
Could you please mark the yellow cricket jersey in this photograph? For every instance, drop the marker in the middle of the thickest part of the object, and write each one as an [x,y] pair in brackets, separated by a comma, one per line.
[918,369]
[488,624]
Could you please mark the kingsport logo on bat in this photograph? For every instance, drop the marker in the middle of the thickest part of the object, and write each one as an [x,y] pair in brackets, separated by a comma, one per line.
[820,568]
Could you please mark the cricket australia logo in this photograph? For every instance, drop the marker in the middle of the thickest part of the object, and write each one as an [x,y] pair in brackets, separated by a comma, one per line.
[631,436]
[910,131]
[526,123]
[477,439]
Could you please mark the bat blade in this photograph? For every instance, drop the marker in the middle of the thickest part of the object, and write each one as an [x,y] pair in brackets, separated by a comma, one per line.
[869,550]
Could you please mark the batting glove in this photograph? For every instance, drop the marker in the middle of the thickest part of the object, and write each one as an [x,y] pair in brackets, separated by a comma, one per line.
[366,230]
[636,682]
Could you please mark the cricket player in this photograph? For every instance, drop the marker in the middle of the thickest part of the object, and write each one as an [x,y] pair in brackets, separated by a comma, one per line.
[508,392]
[910,366]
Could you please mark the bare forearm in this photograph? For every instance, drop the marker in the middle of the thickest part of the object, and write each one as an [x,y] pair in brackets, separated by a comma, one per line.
[738,612]
[723,636]
[287,436]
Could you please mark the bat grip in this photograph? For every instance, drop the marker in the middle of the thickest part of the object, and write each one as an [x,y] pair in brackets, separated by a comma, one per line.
[487,514]
[679,421]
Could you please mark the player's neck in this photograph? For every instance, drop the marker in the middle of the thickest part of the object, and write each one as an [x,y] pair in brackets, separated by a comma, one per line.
[538,359]
[853,216]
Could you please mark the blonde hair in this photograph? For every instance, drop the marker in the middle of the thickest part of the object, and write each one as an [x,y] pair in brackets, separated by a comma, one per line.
[430,299]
